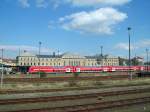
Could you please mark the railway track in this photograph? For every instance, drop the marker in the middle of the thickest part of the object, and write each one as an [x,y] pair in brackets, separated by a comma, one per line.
[61,79]
[72,97]
[95,107]
[44,90]
[9,91]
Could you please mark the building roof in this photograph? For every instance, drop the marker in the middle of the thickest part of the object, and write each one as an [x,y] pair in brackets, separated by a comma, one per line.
[27,54]
[49,56]
[91,57]
[70,55]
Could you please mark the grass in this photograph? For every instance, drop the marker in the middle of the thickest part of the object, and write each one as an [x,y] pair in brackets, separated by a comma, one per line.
[19,75]
[133,108]
[60,85]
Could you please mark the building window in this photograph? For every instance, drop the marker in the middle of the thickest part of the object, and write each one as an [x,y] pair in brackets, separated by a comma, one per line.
[64,63]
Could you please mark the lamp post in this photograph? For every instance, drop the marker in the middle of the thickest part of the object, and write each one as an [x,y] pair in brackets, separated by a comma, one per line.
[101,50]
[2,72]
[102,54]
[39,56]
[147,58]
[130,74]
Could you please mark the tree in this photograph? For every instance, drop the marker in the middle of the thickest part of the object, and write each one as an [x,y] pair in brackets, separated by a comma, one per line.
[100,58]
[135,62]
[123,61]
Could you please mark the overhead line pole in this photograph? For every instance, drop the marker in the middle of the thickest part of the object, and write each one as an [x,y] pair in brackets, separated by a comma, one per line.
[39,56]
[2,72]
[130,74]
[101,50]
[102,54]
[147,59]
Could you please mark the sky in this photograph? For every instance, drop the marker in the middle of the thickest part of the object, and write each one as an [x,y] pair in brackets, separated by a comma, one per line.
[76,26]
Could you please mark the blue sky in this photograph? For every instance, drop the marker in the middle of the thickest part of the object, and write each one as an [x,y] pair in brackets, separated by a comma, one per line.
[77,26]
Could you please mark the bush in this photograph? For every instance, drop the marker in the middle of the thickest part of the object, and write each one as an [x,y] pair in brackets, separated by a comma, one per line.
[42,74]
[76,74]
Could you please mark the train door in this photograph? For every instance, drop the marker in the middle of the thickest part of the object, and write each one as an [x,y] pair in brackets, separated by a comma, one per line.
[141,68]
[105,69]
[68,70]
[77,69]
[113,69]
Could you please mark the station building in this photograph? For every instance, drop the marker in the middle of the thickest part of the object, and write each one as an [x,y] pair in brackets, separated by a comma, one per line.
[66,59]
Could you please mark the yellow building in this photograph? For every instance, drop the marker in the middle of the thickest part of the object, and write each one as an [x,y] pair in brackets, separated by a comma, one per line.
[8,62]
[66,59]
[110,61]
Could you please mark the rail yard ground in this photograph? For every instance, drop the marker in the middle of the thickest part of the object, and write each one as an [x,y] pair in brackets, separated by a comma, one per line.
[119,95]
[20,75]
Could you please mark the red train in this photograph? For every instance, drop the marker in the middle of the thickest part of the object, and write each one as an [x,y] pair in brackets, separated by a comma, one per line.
[70,69]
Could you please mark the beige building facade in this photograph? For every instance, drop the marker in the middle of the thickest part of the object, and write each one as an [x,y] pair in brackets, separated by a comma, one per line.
[8,62]
[66,59]
[110,61]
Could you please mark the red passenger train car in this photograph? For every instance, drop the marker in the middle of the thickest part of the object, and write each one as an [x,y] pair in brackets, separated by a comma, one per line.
[71,69]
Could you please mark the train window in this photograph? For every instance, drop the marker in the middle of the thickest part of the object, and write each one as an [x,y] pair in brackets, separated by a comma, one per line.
[78,70]
[67,69]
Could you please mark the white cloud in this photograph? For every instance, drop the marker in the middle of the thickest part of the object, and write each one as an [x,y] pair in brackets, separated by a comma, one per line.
[97,2]
[56,3]
[100,21]
[79,3]
[124,46]
[24,3]
[51,25]
[145,43]
[24,47]
[41,4]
